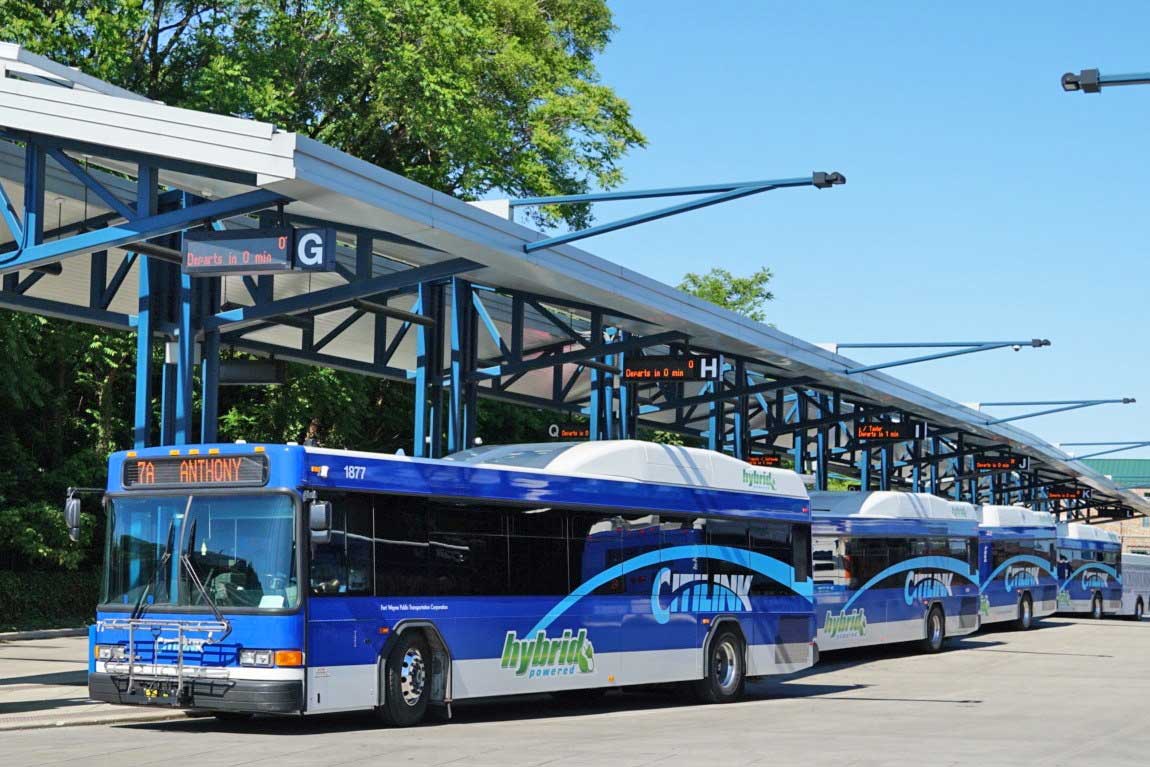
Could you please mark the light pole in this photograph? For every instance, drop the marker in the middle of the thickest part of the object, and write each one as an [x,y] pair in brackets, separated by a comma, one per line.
[1091,81]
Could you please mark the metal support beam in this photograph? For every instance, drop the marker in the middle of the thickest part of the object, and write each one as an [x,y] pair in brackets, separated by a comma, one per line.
[958,348]
[716,194]
[144,227]
[1117,447]
[322,299]
[1063,406]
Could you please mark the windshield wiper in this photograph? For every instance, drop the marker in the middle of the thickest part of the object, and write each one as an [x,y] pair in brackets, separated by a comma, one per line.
[186,563]
[139,607]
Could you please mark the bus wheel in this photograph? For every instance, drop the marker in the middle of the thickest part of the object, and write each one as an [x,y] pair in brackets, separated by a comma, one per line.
[726,670]
[1096,607]
[1025,614]
[935,630]
[406,681]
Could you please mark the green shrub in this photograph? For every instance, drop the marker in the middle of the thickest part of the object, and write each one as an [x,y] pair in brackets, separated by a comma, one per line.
[43,599]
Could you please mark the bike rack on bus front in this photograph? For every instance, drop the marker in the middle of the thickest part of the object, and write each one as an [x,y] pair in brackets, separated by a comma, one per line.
[158,628]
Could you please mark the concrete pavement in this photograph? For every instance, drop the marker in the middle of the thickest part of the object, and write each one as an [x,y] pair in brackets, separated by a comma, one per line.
[1070,693]
[44,683]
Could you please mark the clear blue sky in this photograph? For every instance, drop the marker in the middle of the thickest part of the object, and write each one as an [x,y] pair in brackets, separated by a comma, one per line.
[982,202]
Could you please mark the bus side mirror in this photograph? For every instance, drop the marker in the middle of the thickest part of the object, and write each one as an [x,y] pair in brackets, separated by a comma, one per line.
[72,518]
[319,521]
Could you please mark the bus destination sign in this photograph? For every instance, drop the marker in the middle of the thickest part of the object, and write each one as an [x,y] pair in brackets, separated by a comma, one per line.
[667,368]
[196,470]
[1001,463]
[886,431]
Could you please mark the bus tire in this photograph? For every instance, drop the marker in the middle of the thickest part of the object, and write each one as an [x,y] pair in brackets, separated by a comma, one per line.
[1025,617]
[935,630]
[726,669]
[407,681]
[1096,607]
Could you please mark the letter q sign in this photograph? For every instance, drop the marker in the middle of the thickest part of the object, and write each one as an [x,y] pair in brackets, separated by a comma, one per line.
[315,250]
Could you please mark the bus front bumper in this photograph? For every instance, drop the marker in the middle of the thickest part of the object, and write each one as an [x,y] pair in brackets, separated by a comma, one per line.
[238,695]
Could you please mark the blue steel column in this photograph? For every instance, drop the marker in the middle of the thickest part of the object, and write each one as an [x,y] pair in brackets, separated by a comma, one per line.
[428,429]
[933,489]
[884,457]
[145,206]
[959,468]
[464,394]
[916,466]
[34,190]
[826,407]
[162,290]
[210,367]
[185,360]
[595,405]
[740,432]
[717,422]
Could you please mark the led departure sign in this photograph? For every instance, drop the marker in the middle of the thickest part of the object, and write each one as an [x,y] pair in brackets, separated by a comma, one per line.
[765,460]
[1001,463]
[667,368]
[258,251]
[196,470]
[1067,493]
[569,431]
[886,431]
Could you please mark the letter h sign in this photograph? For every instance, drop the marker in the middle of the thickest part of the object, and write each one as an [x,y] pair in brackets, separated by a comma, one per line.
[710,368]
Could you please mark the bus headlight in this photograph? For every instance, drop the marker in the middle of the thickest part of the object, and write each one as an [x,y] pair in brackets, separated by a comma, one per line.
[112,652]
[264,658]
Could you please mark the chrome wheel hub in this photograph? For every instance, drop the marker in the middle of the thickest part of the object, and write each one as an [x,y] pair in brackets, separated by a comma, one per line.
[412,676]
[724,666]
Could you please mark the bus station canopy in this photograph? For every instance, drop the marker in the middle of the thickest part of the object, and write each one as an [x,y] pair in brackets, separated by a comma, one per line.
[542,315]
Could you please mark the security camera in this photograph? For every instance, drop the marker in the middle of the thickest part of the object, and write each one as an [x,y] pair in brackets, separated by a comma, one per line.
[1017,347]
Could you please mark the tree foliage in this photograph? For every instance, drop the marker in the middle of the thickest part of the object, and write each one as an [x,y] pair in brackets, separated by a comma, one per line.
[467,96]
[744,295]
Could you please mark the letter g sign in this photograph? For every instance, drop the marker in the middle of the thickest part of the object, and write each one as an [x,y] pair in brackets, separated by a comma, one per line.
[315,250]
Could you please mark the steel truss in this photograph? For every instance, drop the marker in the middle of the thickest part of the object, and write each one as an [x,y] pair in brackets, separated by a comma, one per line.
[436,325]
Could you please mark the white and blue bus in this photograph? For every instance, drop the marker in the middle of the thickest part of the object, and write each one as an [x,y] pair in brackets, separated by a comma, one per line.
[1089,570]
[893,567]
[287,579]
[1135,585]
[1017,564]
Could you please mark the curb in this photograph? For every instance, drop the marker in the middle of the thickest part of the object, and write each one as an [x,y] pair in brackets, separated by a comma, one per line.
[81,721]
[16,636]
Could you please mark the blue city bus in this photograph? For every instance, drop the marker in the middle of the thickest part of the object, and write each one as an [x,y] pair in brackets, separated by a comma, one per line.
[1089,570]
[892,567]
[1018,577]
[286,579]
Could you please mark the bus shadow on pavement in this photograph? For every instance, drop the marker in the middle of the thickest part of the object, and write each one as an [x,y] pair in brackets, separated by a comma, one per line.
[519,708]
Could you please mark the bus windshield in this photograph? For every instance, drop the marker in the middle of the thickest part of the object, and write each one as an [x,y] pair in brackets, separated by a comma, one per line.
[242,547]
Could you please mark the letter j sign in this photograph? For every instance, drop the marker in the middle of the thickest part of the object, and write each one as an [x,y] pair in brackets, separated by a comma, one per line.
[315,250]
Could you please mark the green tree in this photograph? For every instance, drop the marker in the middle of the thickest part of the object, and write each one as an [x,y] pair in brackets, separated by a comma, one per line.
[467,96]
[745,295]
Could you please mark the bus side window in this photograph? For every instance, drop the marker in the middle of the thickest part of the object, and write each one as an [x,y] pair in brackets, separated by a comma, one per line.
[538,551]
[344,565]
